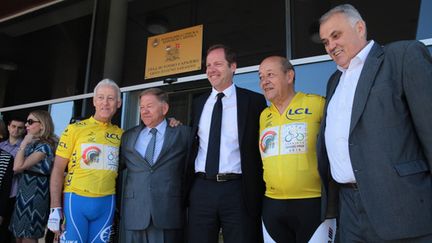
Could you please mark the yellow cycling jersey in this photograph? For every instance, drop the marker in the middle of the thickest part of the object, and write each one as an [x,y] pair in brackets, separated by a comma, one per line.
[287,145]
[92,148]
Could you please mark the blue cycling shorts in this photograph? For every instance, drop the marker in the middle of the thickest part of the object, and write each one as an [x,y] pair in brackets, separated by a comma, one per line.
[88,219]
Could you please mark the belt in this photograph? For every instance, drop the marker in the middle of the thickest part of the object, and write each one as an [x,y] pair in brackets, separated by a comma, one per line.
[221,177]
[349,185]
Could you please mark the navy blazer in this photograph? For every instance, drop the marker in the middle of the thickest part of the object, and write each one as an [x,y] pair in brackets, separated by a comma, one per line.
[390,141]
[249,107]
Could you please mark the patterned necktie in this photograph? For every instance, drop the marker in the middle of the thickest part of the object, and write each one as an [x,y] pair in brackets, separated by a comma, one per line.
[213,149]
[149,154]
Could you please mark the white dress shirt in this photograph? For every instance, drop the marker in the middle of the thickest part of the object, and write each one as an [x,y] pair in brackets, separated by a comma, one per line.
[338,119]
[229,160]
[144,139]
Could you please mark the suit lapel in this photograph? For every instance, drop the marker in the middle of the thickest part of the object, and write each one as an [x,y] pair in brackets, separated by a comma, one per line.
[167,143]
[333,83]
[242,106]
[198,111]
[366,80]
[133,140]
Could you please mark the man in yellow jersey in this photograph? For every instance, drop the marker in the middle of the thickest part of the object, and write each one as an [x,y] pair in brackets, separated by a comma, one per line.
[90,150]
[288,131]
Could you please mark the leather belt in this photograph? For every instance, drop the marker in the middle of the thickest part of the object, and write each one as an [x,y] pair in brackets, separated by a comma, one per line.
[349,185]
[221,177]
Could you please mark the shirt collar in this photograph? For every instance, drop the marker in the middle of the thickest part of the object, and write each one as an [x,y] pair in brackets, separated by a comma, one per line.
[161,127]
[92,119]
[228,92]
[360,58]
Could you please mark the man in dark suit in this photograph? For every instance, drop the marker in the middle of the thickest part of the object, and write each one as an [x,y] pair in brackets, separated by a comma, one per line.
[225,163]
[375,144]
[155,157]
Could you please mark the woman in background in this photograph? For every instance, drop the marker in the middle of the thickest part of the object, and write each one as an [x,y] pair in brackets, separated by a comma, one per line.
[35,160]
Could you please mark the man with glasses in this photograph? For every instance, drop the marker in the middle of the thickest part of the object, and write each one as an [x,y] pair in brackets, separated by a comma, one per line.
[16,131]
[90,151]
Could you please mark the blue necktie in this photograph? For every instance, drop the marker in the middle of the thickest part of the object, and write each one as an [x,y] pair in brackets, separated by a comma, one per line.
[149,154]
[213,149]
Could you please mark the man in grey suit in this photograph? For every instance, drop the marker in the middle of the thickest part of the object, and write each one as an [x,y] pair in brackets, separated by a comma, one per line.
[154,155]
[375,144]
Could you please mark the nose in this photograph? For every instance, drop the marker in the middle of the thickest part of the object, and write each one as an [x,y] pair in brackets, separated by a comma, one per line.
[263,81]
[331,45]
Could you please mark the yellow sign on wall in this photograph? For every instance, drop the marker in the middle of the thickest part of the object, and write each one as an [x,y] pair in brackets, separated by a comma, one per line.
[175,52]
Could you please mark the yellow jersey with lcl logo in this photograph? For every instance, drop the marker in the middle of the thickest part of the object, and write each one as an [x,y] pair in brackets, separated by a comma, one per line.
[92,148]
[287,144]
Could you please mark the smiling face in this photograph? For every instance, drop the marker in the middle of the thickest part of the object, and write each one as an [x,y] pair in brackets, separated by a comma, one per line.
[36,126]
[106,103]
[152,110]
[274,82]
[342,40]
[219,72]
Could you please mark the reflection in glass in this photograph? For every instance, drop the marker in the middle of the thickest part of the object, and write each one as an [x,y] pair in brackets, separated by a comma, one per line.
[61,114]
[310,78]
[424,28]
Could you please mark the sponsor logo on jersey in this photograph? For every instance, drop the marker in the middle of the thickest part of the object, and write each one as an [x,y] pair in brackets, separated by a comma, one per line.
[91,155]
[62,144]
[267,140]
[269,116]
[105,234]
[297,114]
[112,137]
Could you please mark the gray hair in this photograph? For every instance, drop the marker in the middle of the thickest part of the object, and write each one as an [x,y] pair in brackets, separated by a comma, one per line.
[161,95]
[346,9]
[107,82]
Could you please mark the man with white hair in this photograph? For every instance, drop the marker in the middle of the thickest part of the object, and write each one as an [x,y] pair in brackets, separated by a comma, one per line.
[90,151]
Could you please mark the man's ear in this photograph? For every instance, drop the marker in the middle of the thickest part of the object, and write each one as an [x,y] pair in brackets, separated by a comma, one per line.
[165,108]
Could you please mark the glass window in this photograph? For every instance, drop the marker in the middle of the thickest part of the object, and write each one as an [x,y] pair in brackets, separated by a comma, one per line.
[424,29]
[61,114]
[386,21]
[312,78]
[253,29]
[46,53]
[248,81]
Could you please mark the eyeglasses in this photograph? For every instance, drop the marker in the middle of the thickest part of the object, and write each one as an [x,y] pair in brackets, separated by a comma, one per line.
[31,121]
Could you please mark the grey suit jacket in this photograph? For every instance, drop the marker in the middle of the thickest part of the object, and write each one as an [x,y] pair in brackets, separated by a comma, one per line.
[390,140]
[154,192]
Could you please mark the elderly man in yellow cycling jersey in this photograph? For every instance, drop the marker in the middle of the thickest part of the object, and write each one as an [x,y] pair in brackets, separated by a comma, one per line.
[288,131]
[90,150]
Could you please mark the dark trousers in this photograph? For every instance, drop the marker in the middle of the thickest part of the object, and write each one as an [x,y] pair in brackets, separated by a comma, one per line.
[291,220]
[5,234]
[354,224]
[220,205]
[154,235]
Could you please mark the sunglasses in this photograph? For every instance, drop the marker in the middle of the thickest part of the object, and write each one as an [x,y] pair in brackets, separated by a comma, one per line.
[30,121]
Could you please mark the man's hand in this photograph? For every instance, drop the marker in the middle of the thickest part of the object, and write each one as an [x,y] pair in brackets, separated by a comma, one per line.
[174,122]
[54,220]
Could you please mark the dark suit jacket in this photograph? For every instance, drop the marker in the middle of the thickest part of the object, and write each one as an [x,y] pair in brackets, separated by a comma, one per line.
[390,140]
[156,191]
[249,107]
